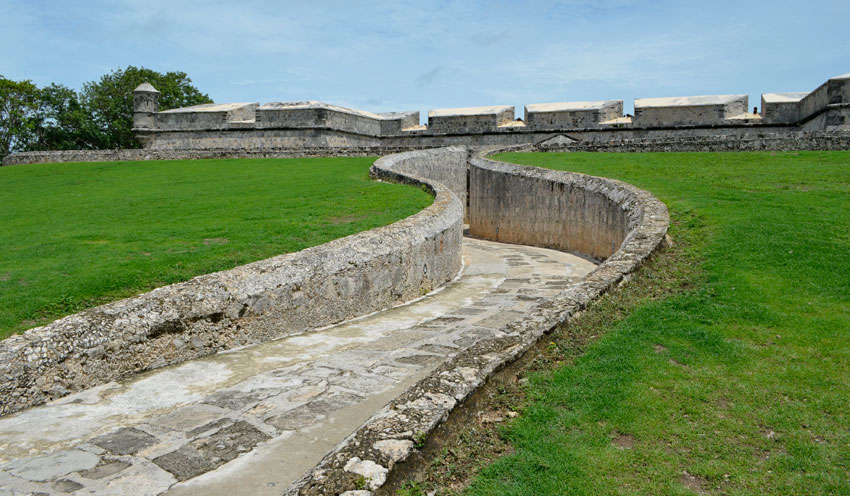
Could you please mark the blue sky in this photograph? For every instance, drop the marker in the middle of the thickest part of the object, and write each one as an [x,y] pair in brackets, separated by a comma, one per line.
[399,55]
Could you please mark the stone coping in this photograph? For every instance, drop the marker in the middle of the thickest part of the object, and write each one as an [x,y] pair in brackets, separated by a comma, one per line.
[571,106]
[470,111]
[398,115]
[312,104]
[257,302]
[145,88]
[687,101]
[791,97]
[211,107]
[390,435]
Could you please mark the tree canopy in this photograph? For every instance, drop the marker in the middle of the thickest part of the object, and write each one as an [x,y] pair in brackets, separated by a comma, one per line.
[110,101]
[100,116]
[19,103]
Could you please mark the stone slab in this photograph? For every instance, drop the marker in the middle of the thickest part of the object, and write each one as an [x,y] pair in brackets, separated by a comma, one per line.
[783,97]
[210,107]
[687,101]
[470,111]
[125,441]
[52,466]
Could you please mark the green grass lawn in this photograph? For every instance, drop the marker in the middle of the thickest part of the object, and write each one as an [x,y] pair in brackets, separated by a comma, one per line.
[722,368]
[79,235]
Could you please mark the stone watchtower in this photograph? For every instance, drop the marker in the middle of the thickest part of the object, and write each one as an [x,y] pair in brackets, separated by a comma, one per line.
[145,105]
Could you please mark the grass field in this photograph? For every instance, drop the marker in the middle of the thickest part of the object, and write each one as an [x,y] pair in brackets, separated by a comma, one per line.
[78,235]
[722,368]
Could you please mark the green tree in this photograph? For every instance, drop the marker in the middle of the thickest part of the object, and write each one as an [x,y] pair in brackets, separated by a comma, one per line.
[63,123]
[110,101]
[99,117]
[19,103]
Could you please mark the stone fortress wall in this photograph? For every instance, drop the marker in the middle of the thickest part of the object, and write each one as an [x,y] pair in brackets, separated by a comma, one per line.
[255,127]
[819,120]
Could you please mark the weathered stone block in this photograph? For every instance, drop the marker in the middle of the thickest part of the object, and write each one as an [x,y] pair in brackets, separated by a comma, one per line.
[469,119]
[126,441]
[312,115]
[210,116]
[396,122]
[571,115]
[688,110]
[783,108]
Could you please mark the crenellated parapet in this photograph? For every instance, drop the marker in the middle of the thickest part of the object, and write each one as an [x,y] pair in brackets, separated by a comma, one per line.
[252,126]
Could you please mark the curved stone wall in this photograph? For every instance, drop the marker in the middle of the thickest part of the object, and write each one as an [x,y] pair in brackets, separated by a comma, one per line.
[447,166]
[257,302]
[570,212]
[629,214]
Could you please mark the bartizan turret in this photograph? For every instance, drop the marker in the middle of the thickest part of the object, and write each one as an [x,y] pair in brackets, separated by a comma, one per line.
[145,107]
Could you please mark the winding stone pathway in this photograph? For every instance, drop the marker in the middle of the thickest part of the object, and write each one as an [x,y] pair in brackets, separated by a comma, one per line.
[253,420]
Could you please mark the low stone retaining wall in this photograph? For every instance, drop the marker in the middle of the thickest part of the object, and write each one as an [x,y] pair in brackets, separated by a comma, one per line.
[257,302]
[62,156]
[790,141]
[389,436]
[673,140]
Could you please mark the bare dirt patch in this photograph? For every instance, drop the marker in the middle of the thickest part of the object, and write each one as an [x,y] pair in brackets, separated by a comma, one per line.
[694,483]
[623,441]
[677,363]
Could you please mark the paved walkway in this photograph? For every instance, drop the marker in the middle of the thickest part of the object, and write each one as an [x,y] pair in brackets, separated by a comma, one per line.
[253,420]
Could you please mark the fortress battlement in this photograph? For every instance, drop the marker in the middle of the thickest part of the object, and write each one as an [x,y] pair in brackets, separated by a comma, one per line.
[255,126]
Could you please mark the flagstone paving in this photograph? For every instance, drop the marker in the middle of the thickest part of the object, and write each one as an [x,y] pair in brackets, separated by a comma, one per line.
[254,419]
